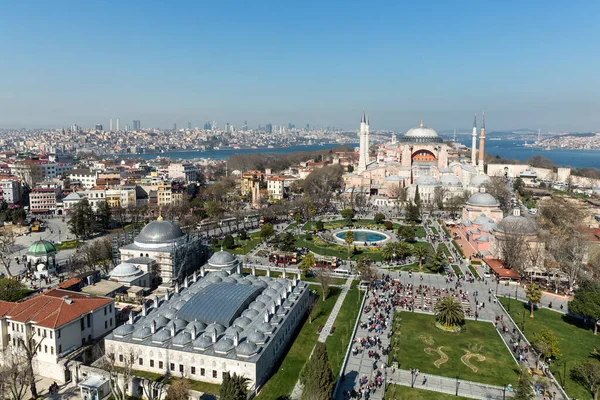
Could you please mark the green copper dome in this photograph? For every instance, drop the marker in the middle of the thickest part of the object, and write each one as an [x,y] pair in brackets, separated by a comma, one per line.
[41,248]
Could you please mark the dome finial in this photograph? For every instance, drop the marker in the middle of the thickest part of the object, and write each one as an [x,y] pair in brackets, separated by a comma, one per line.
[160,217]
[421,124]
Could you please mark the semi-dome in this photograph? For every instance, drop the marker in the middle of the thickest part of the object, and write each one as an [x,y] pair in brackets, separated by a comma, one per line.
[426,180]
[482,199]
[125,270]
[450,180]
[517,225]
[159,232]
[221,259]
[246,349]
[421,134]
[41,248]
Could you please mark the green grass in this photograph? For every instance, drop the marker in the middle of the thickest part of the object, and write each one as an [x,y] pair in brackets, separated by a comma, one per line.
[333,281]
[410,267]
[476,262]
[67,245]
[337,344]
[200,386]
[282,382]
[445,230]
[445,249]
[397,392]
[457,270]
[457,247]
[576,341]
[474,271]
[340,223]
[435,231]
[418,229]
[408,346]
[242,246]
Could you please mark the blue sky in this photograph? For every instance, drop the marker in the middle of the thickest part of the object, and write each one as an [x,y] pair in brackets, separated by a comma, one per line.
[527,64]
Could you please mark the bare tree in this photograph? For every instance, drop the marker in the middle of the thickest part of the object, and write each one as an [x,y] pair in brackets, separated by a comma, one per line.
[570,255]
[312,304]
[119,376]
[398,193]
[324,278]
[511,243]
[29,348]
[497,187]
[14,383]
[153,390]
[178,390]
[7,241]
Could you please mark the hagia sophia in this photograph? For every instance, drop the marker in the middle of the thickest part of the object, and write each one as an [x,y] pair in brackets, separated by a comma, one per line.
[419,159]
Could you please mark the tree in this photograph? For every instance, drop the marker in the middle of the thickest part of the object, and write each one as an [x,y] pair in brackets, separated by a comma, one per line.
[307,263]
[586,302]
[439,259]
[349,239]
[319,225]
[12,379]
[497,187]
[534,295]
[420,252]
[388,251]
[523,390]
[324,279]
[12,290]
[178,390]
[287,242]
[83,221]
[413,212]
[243,235]
[7,241]
[153,390]
[545,343]
[228,242]
[316,376]
[119,377]
[267,231]
[379,218]
[407,233]
[449,312]
[587,373]
[233,387]
[104,214]
[347,214]
[365,269]
[519,186]
[29,347]
[214,209]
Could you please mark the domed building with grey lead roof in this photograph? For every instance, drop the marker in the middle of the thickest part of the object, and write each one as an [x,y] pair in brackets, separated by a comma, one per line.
[479,204]
[221,327]
[164,251]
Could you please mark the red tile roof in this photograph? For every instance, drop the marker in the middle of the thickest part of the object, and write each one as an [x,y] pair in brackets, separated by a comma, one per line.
[50,309]
[69,282]
[498,267]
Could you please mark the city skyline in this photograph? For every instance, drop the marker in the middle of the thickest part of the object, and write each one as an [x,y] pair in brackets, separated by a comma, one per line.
[311,63]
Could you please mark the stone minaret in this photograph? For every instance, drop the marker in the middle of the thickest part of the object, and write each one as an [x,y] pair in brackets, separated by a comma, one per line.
[363,152]
[474,143]
[482,143]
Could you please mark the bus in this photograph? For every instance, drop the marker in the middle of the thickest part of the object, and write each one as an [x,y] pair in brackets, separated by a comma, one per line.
[283,257]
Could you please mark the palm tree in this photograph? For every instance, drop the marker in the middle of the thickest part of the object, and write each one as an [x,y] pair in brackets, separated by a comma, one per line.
[349,239]
[404,249]
[420,252]
[534,295]
[389,251]
[448,312]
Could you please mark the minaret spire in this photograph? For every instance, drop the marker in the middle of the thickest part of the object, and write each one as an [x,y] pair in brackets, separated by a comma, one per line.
[483,120]
[475,121]
[363,119]
[474,142]
[482,144]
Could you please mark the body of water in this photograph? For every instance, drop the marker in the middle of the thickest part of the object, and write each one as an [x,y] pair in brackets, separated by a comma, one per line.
[515,149]
[225,154]
[363,236]
[511,149]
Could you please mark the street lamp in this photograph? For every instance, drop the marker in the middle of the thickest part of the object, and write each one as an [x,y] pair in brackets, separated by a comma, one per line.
[504,392]
[457,385]
[497,283]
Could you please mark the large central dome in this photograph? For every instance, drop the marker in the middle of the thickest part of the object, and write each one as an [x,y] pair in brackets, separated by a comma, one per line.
[159,232]
[421,134]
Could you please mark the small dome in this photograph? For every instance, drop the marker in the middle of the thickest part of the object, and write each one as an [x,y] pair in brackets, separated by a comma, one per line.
[265,327]
[256,305]
[221,259]
[257,337]
[214,279]
[159,232]
[124,270]
[251,313]
[224,345]
[274,285]
[246,349]
[450,180]
[260,283]
[489,227]
[243,322]
[168,313]
[178,323]
[203,342]
[233,330]
[517,225]
[199,325]
[161,336]
[479,180]
[263,298]
[215,327]
[124,330]
[182,339]
[41,248]
[142,334]
[161,321]
[179,303]
[270,292]
[250,278]
[482,219]
[229,280]
[243,281]
[426,180]
[483,199]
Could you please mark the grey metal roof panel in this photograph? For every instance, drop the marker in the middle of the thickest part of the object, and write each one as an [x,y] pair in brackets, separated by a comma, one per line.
[219,302]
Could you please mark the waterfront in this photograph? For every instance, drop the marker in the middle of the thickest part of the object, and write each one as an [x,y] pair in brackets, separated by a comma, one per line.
[226,153]
[510,149]
[515,149]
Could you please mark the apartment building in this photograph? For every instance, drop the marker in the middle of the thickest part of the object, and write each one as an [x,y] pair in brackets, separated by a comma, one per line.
[84,177]
[10,191]
[42,199]
[184,171]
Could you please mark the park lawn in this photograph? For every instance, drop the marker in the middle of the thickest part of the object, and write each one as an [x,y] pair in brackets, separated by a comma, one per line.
[205,387]
[457,247]
[418,229]
[433,230]
[410,267]
[287,372]
[67,245]
[576,340]
[337,344]
[333,281]
[418,332]
[457,270]
[445,249]
[398,392]
[340,223]
[242,246]
[474,271]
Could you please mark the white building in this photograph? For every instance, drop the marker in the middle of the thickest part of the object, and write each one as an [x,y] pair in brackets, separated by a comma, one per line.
[10,191]
[184,171]
[61,322]
[84,177]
